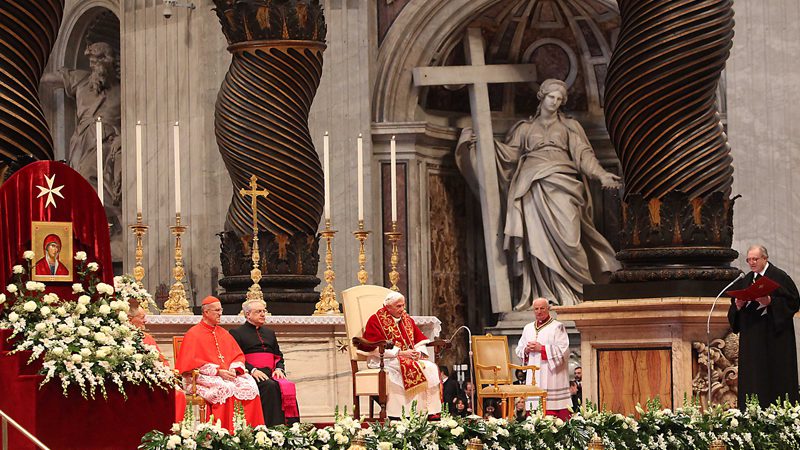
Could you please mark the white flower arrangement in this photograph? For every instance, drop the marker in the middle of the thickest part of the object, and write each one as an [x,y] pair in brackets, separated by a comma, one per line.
[28,255]
[86,342]
[683,428]
[129,290]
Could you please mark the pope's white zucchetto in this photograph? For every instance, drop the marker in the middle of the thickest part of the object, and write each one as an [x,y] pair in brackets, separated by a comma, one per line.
[392,297]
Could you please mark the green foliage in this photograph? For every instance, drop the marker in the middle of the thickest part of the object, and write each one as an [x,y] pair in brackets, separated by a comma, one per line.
[685,428]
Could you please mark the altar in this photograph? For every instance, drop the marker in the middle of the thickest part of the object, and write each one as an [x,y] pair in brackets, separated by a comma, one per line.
[313,348]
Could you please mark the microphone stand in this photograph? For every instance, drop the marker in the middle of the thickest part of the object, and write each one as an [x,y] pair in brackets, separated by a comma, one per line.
[708,333]
[471,368]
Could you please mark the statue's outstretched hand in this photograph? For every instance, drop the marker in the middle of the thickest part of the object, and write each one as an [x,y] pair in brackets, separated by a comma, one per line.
[610,181]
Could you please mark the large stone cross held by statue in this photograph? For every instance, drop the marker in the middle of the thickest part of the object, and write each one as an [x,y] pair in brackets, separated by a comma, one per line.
[477,75]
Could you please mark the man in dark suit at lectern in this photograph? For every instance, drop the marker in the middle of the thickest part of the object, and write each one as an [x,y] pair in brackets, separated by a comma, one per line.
[767,352]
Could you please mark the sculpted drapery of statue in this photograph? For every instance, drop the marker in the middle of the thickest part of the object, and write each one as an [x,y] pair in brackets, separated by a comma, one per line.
[547,229]
[97,94]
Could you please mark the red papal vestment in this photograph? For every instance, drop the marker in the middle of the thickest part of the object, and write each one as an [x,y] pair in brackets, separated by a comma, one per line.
[408,380]
[209,348]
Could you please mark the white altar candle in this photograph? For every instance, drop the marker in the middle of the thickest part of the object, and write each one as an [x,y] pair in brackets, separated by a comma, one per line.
[138,167]
[99,136]
[177,149]
[393,160]
[326,174]
[360,177]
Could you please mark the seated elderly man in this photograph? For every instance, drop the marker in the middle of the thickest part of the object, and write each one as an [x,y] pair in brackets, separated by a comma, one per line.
[223,379]
[410,376]
[264,360]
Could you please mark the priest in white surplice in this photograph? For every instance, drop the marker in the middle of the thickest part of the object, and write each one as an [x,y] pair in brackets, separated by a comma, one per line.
[545,343]
[410,376]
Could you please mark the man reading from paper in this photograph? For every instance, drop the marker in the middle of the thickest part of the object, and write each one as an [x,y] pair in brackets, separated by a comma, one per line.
[545,343]
[767,353]
[264,361]
[410,377]
[223,379]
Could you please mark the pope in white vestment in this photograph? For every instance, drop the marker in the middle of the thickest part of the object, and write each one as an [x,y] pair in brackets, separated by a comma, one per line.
[545,343]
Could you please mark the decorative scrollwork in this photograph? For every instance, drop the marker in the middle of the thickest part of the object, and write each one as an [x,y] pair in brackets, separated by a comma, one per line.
[724,373]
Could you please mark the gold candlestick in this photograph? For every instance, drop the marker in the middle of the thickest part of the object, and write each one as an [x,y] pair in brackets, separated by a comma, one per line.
[361,235]
[177,304]
[139,230]
[394,236]
[327,304]
[254,292]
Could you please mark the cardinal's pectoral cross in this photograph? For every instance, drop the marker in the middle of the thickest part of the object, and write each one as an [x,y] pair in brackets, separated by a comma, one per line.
[254,293]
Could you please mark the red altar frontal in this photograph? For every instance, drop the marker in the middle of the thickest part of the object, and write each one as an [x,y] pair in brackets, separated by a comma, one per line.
[73,422]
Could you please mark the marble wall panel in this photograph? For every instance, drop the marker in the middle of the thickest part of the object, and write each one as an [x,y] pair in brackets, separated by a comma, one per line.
[763,73]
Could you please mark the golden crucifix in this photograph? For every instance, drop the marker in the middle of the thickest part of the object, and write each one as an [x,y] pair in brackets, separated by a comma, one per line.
[254,293]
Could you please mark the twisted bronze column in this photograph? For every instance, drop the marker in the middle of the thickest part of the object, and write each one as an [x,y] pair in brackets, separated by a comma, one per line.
[261,125]
[27,35]
[662,116]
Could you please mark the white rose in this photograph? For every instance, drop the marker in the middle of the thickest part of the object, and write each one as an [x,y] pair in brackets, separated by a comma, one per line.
[80,256]
[128,350]
[100,337]
[76,358]
[734,423]
[58,351]
[2,298]
[102,352]
[173,441]
[30,285]
[83,331]
[104,310]
[261,438]
[85,352]
[385,446]
[123,316]
[81,309]
[29,306]
[12,288]
[50,298]
[77,288]
[84,300]
[40,287]
[40,327]
[13,317]
[105,288]
[63,328]
[45,310]
[92,266]
[138,357]
[28,255]
[61,311]
[457,431]
[17,269]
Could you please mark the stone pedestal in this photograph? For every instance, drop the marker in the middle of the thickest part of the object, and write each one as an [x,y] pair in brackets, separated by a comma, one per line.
[636,350]
[311,346]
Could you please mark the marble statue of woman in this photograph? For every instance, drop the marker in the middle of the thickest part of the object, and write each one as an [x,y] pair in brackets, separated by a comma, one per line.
[548,231]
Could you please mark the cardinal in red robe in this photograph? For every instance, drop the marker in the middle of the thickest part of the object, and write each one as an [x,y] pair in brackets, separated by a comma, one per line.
[223,379]
[410,376]
[49,264]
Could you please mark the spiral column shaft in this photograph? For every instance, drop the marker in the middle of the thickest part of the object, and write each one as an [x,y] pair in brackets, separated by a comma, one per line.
[262,129]
[660,101]
[663,119]
[28,31]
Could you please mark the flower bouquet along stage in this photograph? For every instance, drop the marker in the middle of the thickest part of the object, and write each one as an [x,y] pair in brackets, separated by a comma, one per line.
[74,371]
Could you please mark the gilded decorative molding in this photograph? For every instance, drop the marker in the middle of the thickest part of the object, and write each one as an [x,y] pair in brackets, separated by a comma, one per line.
[724,373]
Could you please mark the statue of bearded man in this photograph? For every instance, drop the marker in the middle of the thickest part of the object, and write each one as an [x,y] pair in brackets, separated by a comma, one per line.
[96,94]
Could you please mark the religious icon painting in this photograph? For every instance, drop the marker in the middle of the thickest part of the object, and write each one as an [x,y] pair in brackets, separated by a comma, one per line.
[52,250]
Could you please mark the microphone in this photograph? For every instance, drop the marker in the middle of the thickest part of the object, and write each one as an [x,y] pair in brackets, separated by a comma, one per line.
[471,368]
[708,332]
